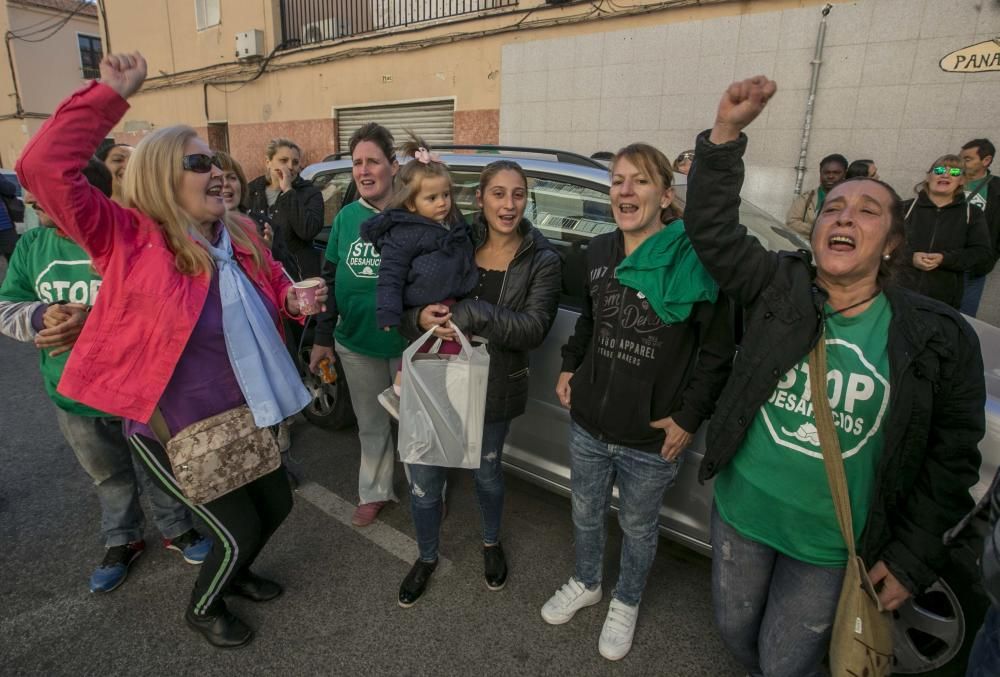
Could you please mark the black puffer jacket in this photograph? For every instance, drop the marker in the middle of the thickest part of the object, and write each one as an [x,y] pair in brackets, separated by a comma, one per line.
[958,231]
[296,218]
[528,304]
[936,407]
[422,261]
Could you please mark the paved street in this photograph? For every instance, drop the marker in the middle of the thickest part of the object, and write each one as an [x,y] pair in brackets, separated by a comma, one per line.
[339,612]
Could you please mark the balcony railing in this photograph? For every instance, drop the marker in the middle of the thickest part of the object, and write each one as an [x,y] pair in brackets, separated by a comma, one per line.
[305,22]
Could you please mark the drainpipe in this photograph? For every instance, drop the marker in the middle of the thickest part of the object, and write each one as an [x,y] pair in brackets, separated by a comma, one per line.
[817,61]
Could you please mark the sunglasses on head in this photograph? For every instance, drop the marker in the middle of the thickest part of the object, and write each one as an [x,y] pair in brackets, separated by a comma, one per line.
[199,163]
[941,171]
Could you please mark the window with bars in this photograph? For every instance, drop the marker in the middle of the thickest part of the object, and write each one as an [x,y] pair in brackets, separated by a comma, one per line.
[90,55]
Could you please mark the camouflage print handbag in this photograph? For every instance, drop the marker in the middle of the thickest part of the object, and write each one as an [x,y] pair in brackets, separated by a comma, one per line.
[216,455]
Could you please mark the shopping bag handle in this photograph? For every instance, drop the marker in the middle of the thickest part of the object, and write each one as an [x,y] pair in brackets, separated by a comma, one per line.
[436,347]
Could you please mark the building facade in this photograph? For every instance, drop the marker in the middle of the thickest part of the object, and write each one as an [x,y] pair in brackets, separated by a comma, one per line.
[53,46]
[574,75]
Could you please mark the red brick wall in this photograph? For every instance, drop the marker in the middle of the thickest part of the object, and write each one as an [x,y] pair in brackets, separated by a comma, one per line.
[133,138]
[248,143]
[477,126]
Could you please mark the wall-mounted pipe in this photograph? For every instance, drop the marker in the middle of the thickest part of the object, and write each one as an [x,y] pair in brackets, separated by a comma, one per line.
[817,61]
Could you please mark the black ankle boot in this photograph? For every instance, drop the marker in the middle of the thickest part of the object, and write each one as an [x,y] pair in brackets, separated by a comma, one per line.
[219,627]
[495,565]
[415,582]
[253,587]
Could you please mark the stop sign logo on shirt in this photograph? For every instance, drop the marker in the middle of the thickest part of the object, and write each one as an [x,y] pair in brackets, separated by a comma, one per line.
[859,397]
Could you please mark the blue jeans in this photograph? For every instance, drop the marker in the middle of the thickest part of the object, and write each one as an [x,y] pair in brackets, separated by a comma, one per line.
[774,613]
[984,661]
[642,478]
[427,486]
[100,447]
[973,294]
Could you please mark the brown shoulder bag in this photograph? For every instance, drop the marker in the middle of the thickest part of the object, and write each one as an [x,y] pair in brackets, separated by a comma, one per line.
[861,644]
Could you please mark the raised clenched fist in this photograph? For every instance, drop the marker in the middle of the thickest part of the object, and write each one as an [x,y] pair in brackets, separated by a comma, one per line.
[123,73]
[741,103]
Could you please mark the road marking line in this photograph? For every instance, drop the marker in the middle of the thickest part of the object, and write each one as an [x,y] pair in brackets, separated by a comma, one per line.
[394,542]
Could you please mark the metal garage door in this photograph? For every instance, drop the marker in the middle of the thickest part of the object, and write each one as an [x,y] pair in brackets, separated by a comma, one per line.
[434,121]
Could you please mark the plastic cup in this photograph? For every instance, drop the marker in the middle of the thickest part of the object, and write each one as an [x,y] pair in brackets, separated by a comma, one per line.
[305,292]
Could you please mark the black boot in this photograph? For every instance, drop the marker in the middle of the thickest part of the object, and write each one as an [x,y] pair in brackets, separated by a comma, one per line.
[495,566]
[254,588]
[219,627]
[415,582]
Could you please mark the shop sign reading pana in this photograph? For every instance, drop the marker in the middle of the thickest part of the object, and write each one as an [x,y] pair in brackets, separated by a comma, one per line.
[978,58]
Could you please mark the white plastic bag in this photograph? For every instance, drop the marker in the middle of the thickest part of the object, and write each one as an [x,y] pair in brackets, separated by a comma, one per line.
[442,404]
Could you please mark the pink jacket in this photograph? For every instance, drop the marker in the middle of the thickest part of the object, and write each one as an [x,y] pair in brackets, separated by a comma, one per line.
[146,312]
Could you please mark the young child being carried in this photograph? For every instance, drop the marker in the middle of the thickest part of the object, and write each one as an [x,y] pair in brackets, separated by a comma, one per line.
[426,249]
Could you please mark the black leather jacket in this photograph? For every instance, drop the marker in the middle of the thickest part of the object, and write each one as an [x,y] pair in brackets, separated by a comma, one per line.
[519,323]
[936,407]
[296,218]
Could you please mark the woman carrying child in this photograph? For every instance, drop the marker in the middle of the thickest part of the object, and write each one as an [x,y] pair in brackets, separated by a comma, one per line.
[513,304]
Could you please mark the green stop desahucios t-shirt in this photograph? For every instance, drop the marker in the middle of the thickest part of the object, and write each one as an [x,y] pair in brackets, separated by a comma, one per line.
[354,290]
[51,268]
[775,490]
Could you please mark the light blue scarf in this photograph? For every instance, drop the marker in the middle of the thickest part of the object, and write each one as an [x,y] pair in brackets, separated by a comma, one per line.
[263,368]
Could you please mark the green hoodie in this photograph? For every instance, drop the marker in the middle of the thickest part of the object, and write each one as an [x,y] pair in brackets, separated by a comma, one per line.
[50,268]
[666,270]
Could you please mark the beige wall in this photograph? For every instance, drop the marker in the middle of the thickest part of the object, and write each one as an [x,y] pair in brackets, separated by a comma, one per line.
[166,31]
[881,93]
[46,72]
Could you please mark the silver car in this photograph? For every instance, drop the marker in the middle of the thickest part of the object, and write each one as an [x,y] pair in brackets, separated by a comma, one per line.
[568,201]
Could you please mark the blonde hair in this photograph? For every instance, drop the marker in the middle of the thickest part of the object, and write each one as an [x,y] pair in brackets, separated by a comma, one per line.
[654,164]
[153,178]
[948,160]
[412,174]
[274,144]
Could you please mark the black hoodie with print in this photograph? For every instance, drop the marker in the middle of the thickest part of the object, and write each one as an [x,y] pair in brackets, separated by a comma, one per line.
[630,368]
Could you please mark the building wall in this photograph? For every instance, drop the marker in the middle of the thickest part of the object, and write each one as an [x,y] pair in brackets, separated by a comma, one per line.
[881,92]
[46,72]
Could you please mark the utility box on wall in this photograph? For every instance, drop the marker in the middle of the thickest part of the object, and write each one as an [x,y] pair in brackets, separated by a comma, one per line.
[250,44]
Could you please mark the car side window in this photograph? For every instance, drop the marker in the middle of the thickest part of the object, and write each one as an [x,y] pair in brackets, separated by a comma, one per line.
[569,215]
[334,187]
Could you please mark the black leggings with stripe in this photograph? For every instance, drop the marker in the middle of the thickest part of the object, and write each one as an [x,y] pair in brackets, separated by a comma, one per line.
[240,523]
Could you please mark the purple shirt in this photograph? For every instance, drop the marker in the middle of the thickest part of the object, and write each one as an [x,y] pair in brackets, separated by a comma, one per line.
[203,383]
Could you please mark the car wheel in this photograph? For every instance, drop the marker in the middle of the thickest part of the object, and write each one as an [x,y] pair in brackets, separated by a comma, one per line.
[934,630]
[330,406]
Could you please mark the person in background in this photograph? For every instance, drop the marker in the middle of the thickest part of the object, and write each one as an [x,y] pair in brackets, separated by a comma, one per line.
[864,168]
[682,163]
[909,426]
[802,214]
[946,236]
[157,349]
[368,355]
[512,306]
[982,189]
[46,298]
[115,157]
[234,192]
[648,357]
[291,205]
[8,216]
[984,658]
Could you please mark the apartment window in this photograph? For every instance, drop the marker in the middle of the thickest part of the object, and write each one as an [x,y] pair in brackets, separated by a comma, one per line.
[90,55]
[206,13]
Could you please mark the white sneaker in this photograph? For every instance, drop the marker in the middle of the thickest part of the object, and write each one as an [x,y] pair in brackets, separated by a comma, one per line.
[569,599]
[619,627]
[390,402]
